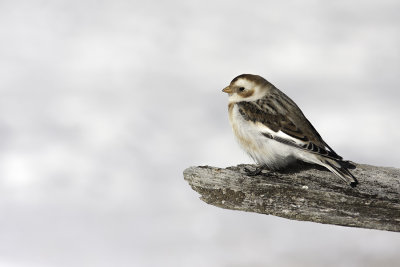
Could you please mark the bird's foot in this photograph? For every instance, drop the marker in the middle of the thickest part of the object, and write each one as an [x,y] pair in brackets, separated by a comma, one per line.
[255,172]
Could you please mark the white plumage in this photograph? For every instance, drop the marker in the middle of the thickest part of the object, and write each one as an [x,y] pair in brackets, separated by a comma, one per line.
[262,150]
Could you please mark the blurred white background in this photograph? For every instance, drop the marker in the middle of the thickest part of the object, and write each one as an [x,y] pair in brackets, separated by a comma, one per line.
[103,104]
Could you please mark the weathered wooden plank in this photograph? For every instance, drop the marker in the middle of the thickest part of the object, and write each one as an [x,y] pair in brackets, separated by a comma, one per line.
[306,193]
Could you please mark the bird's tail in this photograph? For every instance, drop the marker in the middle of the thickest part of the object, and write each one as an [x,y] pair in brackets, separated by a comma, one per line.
[338,167]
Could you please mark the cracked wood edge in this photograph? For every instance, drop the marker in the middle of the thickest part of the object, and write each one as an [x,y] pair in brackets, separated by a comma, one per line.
[305,193]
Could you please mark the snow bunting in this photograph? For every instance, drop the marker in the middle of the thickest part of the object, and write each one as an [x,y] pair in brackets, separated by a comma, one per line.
[273,130]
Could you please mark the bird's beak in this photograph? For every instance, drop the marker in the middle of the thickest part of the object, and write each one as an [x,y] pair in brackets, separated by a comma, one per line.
[227,90]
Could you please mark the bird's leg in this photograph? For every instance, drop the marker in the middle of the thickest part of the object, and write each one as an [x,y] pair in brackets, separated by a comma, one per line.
[255,172]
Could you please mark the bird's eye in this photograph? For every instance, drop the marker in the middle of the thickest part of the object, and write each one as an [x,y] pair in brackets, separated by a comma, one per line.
[241,89]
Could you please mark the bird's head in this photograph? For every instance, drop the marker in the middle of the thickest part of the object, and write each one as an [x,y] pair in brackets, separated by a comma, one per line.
[247,87]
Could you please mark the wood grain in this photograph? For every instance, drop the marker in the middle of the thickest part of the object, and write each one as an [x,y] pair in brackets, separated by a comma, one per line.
[305,193]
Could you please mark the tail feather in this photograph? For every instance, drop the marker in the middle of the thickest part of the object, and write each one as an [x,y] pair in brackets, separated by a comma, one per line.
[340,170]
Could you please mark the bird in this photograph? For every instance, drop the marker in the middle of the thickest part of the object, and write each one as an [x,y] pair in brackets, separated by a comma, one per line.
[273,130]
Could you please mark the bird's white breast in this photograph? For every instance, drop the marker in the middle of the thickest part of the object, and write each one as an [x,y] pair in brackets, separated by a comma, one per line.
[263,150]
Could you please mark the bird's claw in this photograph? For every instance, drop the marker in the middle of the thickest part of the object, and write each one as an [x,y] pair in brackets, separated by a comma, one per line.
[255,172]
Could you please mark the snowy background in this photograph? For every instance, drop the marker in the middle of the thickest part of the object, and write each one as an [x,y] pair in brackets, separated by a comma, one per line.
[103,104]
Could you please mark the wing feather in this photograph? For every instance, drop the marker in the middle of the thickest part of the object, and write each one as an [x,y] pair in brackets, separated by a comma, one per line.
[284,122]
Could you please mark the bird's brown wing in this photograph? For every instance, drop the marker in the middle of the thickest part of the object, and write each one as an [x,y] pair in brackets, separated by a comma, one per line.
[282,114]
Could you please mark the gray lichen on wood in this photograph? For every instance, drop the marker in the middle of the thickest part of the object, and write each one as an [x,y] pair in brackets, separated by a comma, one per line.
[305,193]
